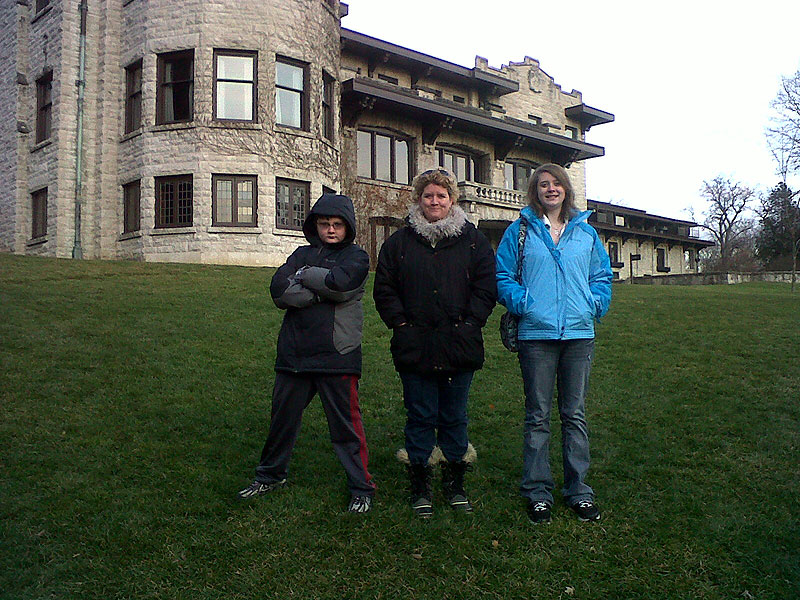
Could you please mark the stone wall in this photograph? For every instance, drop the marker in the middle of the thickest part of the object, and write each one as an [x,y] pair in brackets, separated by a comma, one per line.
[717,278]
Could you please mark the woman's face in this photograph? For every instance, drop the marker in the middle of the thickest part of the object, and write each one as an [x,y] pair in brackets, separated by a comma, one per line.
[550,192]
[435,202]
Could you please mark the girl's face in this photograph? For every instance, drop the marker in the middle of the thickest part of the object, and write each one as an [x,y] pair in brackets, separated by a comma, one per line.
[550,192]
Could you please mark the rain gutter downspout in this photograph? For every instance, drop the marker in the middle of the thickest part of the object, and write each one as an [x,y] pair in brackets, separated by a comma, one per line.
[77,251]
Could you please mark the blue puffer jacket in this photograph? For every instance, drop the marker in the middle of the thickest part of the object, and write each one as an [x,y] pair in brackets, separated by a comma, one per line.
[564,288]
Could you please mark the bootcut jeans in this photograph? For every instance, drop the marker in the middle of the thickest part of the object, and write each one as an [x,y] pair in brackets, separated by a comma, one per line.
[545,363]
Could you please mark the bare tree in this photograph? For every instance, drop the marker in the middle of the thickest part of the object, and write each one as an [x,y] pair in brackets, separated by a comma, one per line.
[779,234]
[783,133]
[726,217]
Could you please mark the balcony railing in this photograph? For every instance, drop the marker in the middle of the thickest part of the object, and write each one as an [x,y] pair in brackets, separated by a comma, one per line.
[486,194]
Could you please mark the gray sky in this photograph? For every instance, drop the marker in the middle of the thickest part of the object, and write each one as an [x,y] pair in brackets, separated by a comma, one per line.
[690,83]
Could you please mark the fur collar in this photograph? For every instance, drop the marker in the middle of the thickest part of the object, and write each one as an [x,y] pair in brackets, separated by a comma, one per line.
[450,226]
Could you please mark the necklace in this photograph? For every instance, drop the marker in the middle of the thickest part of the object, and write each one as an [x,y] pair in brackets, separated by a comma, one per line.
[556,232]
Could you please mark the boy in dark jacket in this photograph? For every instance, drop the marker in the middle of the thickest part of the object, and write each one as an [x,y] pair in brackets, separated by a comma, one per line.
[319,349]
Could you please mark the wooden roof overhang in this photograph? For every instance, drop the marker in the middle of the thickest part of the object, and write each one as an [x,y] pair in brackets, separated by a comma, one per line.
[627,233]
[360,93]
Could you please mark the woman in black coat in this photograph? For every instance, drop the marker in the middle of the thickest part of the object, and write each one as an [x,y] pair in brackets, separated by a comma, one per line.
[435,288]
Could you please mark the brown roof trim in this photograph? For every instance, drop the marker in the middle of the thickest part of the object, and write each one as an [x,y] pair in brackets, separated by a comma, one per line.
[432,113]
[364,44]
[587,116]
[635,212]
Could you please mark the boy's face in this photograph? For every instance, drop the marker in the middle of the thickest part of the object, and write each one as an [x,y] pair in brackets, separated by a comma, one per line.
[331,230]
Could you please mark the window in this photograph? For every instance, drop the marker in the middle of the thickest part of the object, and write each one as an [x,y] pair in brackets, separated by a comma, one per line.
[661,261]
[291,203]
[131,194]
[460,164]
[234,199]
[571,132]
[175,94]
[388,79]
[290,94]
[327,106]
[235,85]
[690,258]
[384,157]
[44,106]
[42,4]
[517,174]
[39,213]
[534,119]
[133,97]
[174,201]
[459,99]
[613,254]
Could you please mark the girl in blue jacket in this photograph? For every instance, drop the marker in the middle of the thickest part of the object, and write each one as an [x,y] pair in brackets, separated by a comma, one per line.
[565,286]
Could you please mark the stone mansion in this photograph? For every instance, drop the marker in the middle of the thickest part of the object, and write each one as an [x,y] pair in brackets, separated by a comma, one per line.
[203,131]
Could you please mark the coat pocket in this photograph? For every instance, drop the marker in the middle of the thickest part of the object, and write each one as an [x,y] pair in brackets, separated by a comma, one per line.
[348,323]
[406,346]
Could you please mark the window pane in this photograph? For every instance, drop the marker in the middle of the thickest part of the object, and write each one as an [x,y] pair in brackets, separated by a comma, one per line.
[461,168]
[224,200]
[244,199]
[235,67]
[287,107]
[178,70]
[447,162]
[401,161]
[364,142]
[298,206]
[383,158]
[234,101]
[289,76]
[282,205]
[508,172]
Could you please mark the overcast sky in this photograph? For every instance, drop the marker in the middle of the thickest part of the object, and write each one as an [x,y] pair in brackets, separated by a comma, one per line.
[690,83]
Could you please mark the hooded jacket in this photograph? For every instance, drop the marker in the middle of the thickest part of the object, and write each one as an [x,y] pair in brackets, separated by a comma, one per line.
[320,286]
[443,294]
[565,287]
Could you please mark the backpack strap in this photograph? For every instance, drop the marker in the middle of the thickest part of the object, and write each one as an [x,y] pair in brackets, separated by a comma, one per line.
[523,229]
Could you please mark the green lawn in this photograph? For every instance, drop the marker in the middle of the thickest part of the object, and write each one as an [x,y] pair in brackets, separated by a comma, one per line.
[135,402]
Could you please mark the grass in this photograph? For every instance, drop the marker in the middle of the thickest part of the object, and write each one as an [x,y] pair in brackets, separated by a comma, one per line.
[135,402]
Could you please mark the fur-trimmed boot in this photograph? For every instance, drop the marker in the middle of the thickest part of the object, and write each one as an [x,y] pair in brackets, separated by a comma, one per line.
[420,476]
[453,485]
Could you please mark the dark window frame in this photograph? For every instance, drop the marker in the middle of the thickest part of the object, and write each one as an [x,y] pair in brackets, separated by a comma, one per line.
[169,210]
[473,164]
[393,140]
[517,164]
[131,206]
[133,96]
[253,83]
[303,94]
[662,258]
[294,222]
[162,85]
[234,179]
[39,213]
[44,107]
[328,114]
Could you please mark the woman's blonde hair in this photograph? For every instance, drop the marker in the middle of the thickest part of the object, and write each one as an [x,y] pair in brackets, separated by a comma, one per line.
[560,173]
[436,176]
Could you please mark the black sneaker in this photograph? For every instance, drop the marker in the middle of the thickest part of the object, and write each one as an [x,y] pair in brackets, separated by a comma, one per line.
[422,507]
[360,504]
[586,510]
[539,512]
[259,489]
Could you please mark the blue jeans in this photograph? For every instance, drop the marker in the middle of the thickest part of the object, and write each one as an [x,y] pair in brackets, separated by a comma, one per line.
[543,363]
[436,404]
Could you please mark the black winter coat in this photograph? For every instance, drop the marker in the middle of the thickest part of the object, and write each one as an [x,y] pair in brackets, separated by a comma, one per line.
[321,286]
[443,294]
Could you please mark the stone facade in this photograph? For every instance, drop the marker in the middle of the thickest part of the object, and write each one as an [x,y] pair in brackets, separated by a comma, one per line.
[502,121]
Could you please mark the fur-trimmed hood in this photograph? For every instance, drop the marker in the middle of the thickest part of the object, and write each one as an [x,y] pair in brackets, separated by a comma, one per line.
[450,226]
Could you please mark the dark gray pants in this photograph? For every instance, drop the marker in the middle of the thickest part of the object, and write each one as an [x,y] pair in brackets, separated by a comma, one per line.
[339,394]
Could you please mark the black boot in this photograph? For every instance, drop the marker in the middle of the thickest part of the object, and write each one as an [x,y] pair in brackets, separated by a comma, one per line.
[420,476]
[453,485]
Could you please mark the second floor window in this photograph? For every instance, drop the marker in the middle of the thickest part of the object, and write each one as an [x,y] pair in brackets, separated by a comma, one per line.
[517,173]
[235,85]
[460,164]
[174,201]
[384,157]
[44,106]
[131,194]
[133,97]
[290,94]
[234,199]
[327,107]
[175,94]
